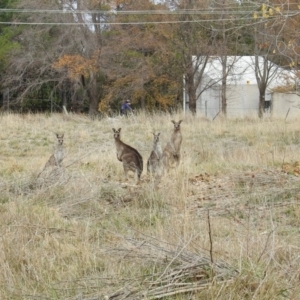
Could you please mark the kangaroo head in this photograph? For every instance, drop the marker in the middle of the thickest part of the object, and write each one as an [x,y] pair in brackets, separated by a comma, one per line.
[117,133]
[156,137]
[60,138]
[176,125]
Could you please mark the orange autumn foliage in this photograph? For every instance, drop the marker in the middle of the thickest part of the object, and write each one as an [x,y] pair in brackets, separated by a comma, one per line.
[77,65]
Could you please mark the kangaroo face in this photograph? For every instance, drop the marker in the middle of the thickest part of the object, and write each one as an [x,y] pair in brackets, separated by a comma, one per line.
[60,138]
[176,125]
[156,137]
[117,133]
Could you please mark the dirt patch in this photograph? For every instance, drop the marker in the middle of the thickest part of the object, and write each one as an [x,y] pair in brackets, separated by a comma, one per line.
[220,193]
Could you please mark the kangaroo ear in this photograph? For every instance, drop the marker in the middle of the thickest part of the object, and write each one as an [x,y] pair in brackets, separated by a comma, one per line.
[114,130]
[180,121]
[158,134]
[119,129]
[173,121]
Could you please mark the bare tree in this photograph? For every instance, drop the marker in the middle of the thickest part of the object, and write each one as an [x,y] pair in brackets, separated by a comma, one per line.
[287,42]
[265,34]
[198,41]
[72,31]
[192,46]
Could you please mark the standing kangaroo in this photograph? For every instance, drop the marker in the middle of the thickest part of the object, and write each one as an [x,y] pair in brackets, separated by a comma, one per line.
[130,157]
[57,157]
[171,153]
[154,163]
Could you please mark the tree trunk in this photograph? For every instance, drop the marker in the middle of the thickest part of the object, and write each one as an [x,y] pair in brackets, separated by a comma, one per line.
[223,98]
[93,102]
[224,85]
[65,100]
[191,90]
[192,97]
[91,92]
[261,106]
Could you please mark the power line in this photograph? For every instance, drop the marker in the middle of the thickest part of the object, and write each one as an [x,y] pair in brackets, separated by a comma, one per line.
[203,12]
[121,23]
[142,12]
[121,12]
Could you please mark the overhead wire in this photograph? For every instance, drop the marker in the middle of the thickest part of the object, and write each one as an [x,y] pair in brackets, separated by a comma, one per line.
[210,11]
[88,22]
[114,11]
[195,12]
[232,9]
[108,23]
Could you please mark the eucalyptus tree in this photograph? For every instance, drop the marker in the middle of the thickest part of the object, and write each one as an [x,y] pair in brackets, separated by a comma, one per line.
[56,36]
[135,57]
[267,30]
[190,44]
[8,42]
[229,38]
[287,42]
[207,29]
[261,28]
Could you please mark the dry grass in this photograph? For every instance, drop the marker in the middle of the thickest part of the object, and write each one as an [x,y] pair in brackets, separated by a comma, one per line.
[224,225]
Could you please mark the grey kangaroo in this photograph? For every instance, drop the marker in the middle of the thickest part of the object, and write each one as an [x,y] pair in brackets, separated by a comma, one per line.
[171,153]
[154,163]
[57,157]
[130,157]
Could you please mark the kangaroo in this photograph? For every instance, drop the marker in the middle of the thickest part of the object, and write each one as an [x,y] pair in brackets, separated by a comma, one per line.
[171,152]
[130,157]
[57,157]
[154,163]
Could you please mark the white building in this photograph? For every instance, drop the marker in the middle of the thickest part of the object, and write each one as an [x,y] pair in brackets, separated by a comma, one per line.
[241,88]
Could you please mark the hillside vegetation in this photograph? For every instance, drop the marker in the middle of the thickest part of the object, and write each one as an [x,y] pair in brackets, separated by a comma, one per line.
[224,225]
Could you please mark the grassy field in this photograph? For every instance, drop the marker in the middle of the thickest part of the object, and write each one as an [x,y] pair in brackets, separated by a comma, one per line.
[224,225]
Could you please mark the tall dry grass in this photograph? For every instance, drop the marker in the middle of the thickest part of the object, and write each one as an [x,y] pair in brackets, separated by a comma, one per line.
[81,233]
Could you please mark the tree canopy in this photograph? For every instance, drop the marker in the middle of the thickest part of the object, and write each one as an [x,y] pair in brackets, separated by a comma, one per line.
[90,55]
